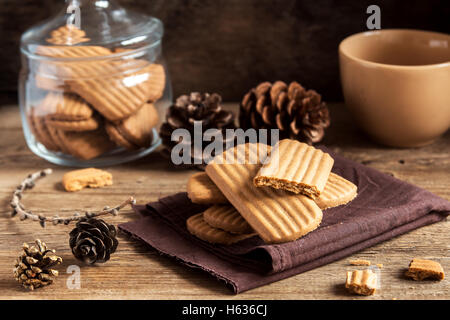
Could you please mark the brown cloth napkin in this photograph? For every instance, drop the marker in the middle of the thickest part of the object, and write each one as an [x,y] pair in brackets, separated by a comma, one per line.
[384,208]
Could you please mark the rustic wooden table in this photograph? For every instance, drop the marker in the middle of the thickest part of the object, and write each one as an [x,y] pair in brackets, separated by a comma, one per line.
[136,272]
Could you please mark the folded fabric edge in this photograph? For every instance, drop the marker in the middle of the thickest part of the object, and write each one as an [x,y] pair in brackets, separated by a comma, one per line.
[228,282]
[269,266]
[263,266]
[357,247]
[440,216]
[257,280]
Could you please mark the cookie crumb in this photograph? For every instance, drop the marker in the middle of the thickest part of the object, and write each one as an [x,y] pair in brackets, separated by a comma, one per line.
[359,262]
[420,269]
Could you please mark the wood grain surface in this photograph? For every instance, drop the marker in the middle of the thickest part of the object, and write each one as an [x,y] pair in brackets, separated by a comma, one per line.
[229,46]
[137,272]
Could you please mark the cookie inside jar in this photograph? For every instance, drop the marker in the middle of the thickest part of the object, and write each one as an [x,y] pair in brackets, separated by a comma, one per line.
[89,98]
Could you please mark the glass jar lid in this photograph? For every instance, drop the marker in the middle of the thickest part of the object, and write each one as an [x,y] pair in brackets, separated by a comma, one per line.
[101,23]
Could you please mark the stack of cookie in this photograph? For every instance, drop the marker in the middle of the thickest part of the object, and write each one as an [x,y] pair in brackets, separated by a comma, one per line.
[67,35]
[277,194]
[94,103]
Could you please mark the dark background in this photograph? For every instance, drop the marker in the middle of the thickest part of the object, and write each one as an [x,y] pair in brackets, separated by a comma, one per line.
[228,46]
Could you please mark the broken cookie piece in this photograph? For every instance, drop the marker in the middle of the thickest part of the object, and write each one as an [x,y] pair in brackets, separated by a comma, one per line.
[359,262]
[296,167]
[420,269]
[361,282]
[91,177]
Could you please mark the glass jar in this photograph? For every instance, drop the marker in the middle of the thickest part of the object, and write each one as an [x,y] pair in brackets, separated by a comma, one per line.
[93,87]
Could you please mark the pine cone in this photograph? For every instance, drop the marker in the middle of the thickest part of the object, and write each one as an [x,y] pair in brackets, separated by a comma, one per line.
[93,240]
[205,108]
[33,267]
[298,114]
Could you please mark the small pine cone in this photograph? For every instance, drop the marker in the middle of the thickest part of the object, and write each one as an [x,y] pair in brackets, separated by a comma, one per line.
[93,240]
[33,268]
[205,108]
[298,113]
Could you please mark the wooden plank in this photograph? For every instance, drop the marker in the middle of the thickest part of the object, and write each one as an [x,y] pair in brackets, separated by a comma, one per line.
[139,273]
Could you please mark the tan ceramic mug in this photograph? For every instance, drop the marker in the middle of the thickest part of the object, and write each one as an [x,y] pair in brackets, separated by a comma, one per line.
[396,83]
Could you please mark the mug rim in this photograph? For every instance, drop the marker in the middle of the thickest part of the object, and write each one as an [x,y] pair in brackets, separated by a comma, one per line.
[387,65]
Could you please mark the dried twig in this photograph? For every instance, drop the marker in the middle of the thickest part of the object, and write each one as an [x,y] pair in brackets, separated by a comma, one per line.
[29,183]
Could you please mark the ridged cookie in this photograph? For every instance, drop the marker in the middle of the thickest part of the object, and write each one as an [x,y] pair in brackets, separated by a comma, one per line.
[276,215]
[118,97]
[65,106]
[361,282]
[296,167]
[197,226]
[67,112]
[70,125]
[136,131]
[50,84]
[72,51]
[63,71]
[338,191]
[55,134]
[41,131]
[202,190]
[51,75]
[226,218]
[84,145]
[67,34]
[116,88]
[118,138]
